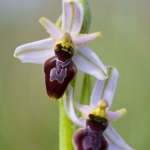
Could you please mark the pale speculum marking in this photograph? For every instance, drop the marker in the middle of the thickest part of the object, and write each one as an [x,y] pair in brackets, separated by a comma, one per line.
[59,72]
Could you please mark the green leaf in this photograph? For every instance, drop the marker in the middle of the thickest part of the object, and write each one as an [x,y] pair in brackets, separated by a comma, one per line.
[87,16]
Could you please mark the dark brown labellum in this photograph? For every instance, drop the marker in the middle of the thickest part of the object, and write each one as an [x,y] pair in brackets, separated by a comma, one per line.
[91,138]
[86,139]
[97,123]
[58,74]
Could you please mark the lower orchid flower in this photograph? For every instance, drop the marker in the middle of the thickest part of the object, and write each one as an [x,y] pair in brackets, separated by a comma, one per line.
[64,53]
[91,137]
[96,117]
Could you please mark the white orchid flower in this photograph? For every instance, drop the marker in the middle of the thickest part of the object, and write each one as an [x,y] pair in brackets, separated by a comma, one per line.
[84,58]
[103,90]
[65,52]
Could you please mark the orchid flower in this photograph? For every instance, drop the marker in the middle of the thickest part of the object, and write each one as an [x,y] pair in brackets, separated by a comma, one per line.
[103,90]
[65,47]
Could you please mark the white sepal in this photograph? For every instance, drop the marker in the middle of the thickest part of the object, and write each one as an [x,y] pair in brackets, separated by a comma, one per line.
[72,17]
[105,89]
[114,138]
[35,52]
[87,61]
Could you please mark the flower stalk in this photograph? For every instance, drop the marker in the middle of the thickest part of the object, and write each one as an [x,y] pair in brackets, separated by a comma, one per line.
[66,129]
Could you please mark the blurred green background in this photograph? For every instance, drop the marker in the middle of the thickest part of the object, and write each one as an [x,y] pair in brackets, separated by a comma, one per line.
[28,119]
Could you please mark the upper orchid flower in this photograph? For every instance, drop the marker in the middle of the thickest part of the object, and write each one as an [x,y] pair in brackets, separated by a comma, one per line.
[103,92]
[64,53]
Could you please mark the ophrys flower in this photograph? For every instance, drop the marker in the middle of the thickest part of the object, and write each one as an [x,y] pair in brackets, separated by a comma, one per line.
[65,47]
[91,137]
[103,90]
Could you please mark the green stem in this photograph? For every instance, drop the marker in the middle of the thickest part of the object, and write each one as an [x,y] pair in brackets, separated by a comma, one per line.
[65,125]
[65,128]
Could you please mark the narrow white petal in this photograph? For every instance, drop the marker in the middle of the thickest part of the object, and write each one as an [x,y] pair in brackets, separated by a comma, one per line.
[84,109]
[116,115]
[72,17]
[51,28]
[87,61]
[81,39]
[35,52]
[105,89]
[113,137]
[69,108]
